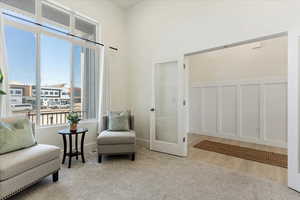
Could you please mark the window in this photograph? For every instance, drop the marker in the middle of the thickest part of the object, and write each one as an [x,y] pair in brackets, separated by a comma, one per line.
[85,29]
[21,53]
[24,5]
[55,15]
[18,92]
[67,79]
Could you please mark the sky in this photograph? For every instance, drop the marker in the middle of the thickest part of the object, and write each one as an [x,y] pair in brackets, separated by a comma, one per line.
[55,58]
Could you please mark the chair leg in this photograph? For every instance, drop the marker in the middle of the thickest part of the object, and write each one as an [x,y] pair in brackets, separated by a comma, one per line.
[99,158]
[133,156]
[55,176]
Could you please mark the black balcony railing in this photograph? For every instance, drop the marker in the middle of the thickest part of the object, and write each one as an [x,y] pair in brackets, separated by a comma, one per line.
[53,118]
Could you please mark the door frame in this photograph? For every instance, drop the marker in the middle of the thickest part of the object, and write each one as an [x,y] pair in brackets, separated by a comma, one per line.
[293,109]
[293,103]
[179,149]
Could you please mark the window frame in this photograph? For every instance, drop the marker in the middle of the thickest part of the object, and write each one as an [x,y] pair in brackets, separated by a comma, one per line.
[38,31]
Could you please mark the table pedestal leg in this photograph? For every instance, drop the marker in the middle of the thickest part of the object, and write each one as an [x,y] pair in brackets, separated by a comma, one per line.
[82,145]
[65,149]
[76,145]
[70,151]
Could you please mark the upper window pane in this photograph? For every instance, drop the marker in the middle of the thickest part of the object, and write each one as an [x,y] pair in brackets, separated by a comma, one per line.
[55,15]
[85,29]
[24,5]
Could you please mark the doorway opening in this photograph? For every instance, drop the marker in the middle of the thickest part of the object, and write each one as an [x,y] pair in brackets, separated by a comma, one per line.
[238,97]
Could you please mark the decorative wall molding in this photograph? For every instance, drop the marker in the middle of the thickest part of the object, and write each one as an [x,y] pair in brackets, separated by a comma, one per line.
[246,110]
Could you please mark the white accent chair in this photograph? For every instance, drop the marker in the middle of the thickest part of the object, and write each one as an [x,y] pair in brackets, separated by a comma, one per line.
[23,168]
[116,142]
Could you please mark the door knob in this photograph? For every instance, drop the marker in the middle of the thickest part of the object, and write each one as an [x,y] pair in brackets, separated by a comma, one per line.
[152,109]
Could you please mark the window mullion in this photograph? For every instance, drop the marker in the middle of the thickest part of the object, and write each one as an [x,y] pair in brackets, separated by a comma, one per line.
[38,78]
[72,77]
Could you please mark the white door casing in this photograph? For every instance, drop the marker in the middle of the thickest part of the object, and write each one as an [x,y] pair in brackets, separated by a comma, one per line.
[293,110]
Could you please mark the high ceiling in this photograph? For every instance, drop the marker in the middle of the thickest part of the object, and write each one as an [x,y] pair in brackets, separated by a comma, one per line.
[126,3]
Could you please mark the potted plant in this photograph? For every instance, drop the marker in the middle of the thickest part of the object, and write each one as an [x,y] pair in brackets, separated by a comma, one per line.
[1,81]
[73,119]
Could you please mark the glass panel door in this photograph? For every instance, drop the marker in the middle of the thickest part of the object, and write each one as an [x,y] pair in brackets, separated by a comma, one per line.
[167,116]
[166,102]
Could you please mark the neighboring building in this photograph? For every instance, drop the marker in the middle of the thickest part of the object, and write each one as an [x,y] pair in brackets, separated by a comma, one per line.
[20,93]
[54,96]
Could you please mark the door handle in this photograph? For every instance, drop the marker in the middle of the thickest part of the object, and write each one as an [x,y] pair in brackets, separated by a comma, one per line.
[152,109]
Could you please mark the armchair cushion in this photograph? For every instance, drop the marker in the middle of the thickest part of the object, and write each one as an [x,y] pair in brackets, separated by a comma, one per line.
[15,163]
[116,137]
[16,134]
[118,121]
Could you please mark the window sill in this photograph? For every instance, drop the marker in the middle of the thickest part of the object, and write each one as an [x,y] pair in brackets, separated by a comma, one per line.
[89,121]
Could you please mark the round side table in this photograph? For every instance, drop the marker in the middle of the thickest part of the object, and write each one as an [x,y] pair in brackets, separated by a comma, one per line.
[67,132]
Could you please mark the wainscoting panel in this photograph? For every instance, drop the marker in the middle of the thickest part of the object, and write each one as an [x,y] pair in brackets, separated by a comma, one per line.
[196,111]
[250,111]
[228,110]
[209,108]
[275,112]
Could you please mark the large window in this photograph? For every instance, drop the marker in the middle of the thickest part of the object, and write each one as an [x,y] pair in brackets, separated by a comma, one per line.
[51,74]
[21,55]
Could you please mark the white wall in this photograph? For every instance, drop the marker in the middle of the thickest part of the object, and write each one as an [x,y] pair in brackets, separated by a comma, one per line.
[242,62]
[169,28]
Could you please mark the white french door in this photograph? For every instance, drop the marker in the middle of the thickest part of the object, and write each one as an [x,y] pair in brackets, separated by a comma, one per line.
[167,115]
[293,110]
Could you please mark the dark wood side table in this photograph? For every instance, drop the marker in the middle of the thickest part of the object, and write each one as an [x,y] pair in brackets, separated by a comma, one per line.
[67,132]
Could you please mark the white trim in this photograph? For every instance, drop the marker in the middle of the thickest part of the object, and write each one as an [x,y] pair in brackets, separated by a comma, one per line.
[88,121]
[54,4]
[293,110]
[143,142]
[240,82]
[17,10]
[237,43]
[243,139]
[41,30]
[38,78]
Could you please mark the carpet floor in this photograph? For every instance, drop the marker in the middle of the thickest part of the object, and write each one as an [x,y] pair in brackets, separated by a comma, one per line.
[153,176]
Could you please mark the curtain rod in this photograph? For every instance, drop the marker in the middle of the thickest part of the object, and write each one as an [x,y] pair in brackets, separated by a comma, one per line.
[57,30]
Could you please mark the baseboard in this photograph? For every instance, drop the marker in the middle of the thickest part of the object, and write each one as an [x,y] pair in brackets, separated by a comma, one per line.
[242,139]
[90,147]
[143,142]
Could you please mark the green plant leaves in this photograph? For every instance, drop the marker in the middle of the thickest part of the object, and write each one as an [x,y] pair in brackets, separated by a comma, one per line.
[1,77]
[1,80]
[2,92]
[73,117]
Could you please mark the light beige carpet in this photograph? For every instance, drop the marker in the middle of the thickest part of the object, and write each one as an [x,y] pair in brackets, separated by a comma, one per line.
[153,176]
